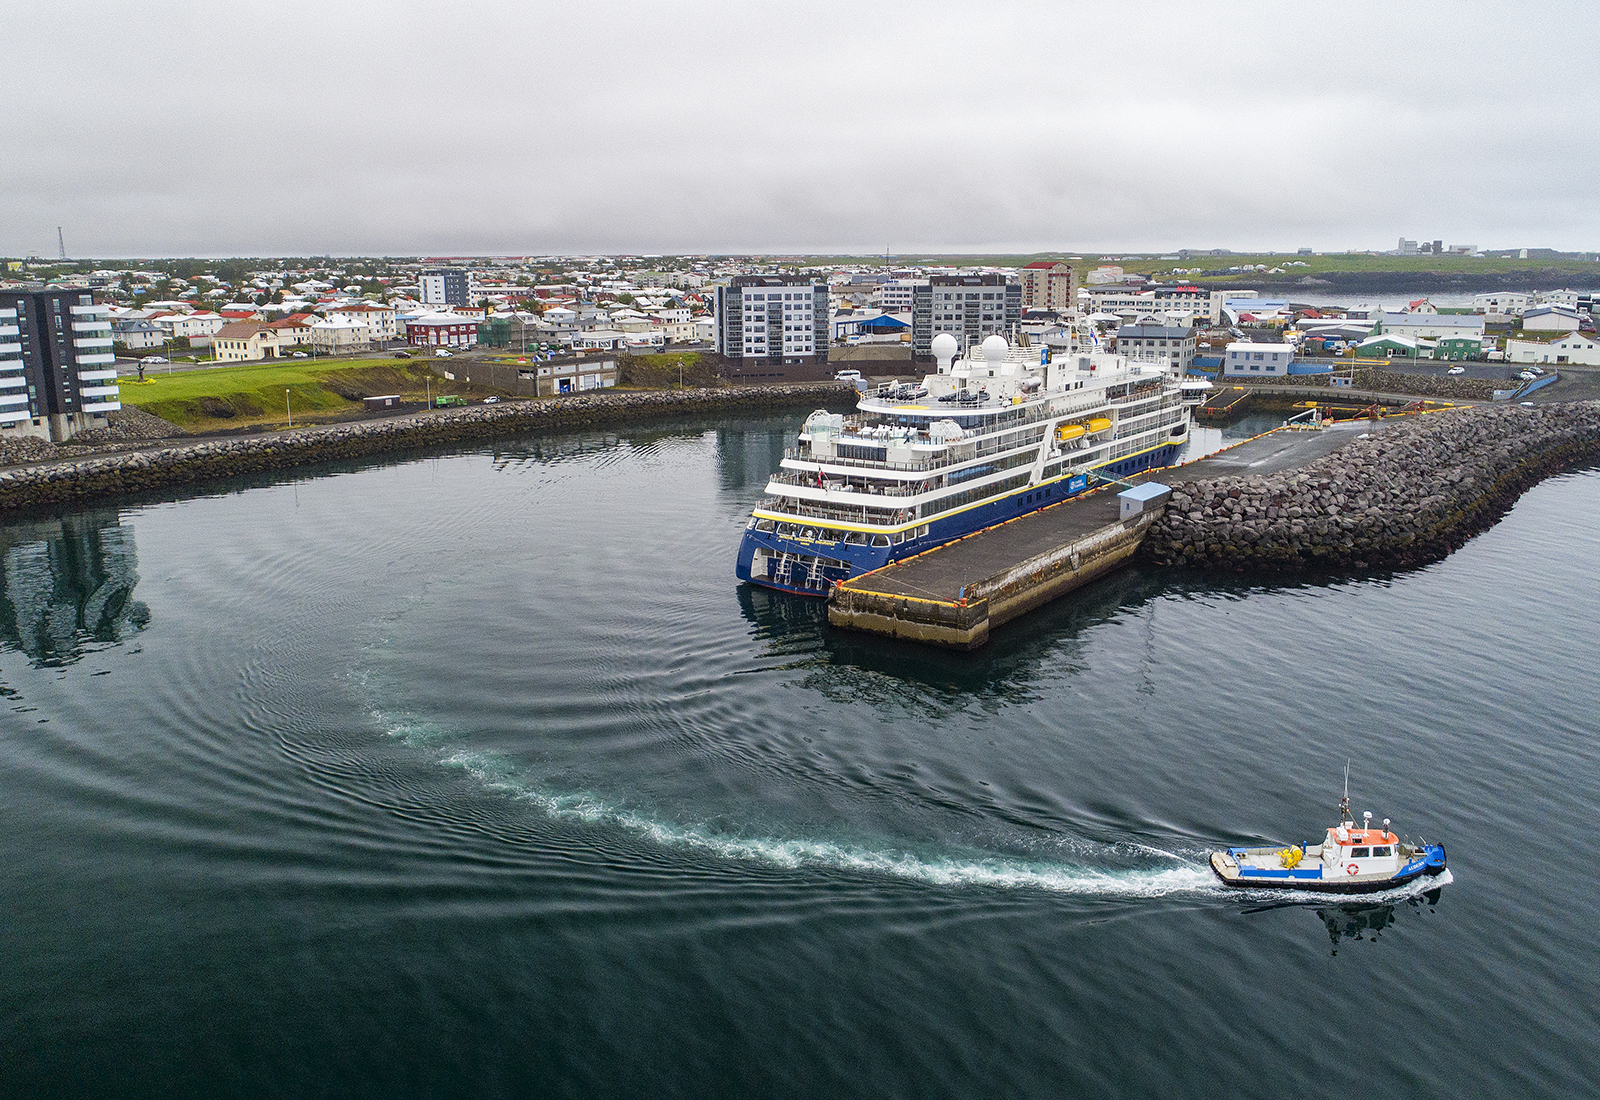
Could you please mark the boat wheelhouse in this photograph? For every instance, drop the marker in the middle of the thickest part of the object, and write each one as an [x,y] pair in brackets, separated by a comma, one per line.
[979,441]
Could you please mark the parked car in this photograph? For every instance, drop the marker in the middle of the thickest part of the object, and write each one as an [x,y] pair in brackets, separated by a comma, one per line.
[154,359]
[441,354]
[299,355]
[1457,370]
[847,376]
[1527,376]
[491,400]
[402,355]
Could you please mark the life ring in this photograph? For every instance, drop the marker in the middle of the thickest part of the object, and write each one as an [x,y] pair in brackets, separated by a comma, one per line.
[1351,869]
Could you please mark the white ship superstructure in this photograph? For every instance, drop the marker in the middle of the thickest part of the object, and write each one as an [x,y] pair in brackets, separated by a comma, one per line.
[980,440]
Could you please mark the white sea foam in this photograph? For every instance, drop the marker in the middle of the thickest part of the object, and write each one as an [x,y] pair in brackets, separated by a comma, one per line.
[996,872]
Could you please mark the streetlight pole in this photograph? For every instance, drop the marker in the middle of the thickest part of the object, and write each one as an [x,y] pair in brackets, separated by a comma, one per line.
[287,408]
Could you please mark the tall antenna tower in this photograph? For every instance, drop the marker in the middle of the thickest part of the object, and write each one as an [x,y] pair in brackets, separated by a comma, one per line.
[62,242]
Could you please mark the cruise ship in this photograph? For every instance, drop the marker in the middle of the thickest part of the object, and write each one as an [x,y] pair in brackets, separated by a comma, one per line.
[981,440]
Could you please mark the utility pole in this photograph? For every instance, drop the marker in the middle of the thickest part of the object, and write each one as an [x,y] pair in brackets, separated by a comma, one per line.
[62,242]
[287,408]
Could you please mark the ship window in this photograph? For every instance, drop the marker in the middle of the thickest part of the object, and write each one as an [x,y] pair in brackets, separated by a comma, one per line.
[1383,851]
[880,540]
[764,525]
[1360,853]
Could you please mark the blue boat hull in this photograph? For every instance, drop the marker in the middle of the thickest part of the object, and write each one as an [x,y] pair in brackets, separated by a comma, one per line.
[1432,863]
[840,561]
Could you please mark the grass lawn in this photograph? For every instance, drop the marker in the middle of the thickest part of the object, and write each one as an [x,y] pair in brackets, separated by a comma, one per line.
[218,398]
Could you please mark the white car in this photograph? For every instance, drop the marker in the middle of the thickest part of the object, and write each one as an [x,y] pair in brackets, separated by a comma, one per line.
[1457,370]
[847,376]
[154,359]
[299,355]
[491,400]
[1527,376]
[441,354]
[1528,405]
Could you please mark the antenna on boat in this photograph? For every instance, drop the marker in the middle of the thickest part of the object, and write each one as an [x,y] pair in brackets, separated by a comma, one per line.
[1344,803]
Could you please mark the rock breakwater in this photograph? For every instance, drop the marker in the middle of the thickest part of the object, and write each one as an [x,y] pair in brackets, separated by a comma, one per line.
[1403,496]
[184,463]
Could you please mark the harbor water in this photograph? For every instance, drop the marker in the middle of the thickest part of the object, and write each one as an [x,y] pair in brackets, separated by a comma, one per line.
[473,773]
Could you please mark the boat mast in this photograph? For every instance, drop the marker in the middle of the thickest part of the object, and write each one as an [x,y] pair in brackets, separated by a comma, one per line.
[1344,803]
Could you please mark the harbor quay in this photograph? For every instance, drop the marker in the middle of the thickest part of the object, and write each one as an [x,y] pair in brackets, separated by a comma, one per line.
[161,465]
[1354,496]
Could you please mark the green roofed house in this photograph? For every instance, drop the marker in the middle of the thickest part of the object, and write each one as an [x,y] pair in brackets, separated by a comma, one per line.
[1391,347]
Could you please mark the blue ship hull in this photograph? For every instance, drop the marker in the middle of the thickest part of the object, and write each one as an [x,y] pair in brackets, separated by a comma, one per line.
[830,561]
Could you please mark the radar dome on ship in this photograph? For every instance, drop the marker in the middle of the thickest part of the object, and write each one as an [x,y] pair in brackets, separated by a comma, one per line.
[995,348]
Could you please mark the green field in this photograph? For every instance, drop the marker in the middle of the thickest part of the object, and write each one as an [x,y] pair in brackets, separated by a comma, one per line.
[253,394]
[1151,264]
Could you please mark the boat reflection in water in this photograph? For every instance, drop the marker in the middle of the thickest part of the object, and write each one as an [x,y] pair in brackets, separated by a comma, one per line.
[66,586]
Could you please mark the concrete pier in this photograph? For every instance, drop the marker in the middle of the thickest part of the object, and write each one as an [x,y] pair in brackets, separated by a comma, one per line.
[955,594]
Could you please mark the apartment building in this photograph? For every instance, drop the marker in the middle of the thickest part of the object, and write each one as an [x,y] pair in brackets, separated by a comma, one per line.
[1049,286]
[968,307]
[446,286]
[770,328]
[57,370]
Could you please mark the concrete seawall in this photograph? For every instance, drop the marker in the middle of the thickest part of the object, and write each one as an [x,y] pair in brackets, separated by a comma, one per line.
[1405,496]
[163,466]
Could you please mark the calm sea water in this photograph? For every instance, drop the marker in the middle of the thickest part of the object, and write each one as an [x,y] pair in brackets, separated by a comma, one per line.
[475,774]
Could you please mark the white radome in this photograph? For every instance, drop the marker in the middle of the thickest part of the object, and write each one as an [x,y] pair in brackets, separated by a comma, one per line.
[995,348]
[944,347]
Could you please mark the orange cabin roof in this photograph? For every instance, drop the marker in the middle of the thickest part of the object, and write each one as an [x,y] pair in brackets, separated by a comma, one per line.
[1364,836]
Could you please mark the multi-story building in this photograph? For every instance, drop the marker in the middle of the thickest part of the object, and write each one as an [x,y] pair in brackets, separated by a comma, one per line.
[1155,301]
[1049,286]
[380,320]
[57,370]
[442,330]
[899,295]
[1146,343]
[770,327]
[968,307]
[446,286]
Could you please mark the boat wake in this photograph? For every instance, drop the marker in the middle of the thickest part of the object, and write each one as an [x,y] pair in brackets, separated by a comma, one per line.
[1179,878]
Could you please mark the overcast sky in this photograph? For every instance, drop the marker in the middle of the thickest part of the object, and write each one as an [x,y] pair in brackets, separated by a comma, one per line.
[203,128]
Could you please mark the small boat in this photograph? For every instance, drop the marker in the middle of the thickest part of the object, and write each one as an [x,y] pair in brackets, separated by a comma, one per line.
[1350,860]
[1068,432]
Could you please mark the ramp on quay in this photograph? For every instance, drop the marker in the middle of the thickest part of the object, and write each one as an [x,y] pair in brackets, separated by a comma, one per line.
[955,594]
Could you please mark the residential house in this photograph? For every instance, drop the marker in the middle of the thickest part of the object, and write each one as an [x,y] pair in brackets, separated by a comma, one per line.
[197,328]
[245,341]
[138,335]
[380,320]
[1252,360]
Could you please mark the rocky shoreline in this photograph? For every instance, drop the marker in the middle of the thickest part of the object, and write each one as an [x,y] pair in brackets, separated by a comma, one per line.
[1404,496]
[184,463]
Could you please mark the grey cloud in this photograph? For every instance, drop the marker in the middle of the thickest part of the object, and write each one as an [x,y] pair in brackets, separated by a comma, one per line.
[508,128]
